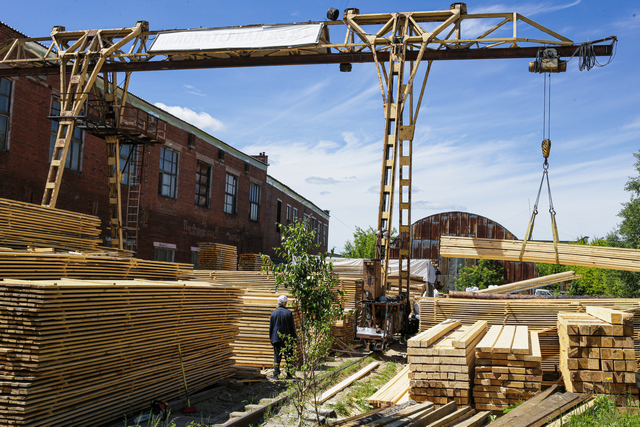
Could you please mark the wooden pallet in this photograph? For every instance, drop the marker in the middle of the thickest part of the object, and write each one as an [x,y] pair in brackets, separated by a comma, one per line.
[509,250]
[76,351]
[508,367]
[441,362]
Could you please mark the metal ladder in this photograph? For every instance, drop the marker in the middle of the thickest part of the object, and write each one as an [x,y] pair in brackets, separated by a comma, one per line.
[136,180]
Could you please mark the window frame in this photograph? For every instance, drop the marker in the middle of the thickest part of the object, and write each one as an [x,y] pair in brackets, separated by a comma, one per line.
[172,173]
[76,148]
[231,199]
[203,187]
[6,115]
[288,216]
[254,205]
[128,169]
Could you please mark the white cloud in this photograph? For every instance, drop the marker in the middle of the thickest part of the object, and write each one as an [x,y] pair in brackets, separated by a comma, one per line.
[321,181]
[201,120]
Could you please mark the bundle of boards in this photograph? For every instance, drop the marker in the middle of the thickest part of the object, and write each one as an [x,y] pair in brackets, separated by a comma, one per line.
[216,256]
[74,352]
[596,353]
[251,262]
[56,265]
[25,224]
[508,367]
[441,362]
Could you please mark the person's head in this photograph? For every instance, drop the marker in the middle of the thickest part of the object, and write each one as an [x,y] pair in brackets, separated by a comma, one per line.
[282,300]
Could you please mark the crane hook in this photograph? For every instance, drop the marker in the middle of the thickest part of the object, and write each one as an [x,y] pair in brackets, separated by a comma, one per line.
[546,150]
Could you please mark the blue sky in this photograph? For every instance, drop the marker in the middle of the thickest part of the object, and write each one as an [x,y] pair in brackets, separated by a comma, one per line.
[477,144]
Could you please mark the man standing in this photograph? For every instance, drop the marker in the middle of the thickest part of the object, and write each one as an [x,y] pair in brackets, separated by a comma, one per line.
[282,332]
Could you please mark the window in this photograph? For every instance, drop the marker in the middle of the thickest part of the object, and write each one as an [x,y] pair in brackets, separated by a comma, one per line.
[326,233]
[288,214]
[203,181]
[295,214]
[254,202]
[128,157]
[313,228]
[319,234]
[74,155]
[168,180]
[278,216]
[164,254]
[220,155]
[195,257]
[5,107]
[191,140]
[230,194]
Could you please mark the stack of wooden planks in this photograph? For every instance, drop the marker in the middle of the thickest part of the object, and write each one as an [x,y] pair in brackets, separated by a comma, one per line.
[25,224]
[216,256]
[252,346]
[508,367]
[56,265]
[596,352]
[74,352]
[244,279]
[509,250]
[529,284]
[250,262]
[345,328]
[394,392]
[441,362]
[536,314]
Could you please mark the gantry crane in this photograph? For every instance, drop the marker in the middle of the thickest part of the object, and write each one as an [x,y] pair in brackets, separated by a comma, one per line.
[398,44]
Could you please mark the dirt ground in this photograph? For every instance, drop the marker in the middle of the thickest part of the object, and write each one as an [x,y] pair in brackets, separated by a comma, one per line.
[216,404]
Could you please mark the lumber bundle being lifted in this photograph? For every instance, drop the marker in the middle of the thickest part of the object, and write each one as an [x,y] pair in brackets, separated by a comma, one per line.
[441,362]
[536,314]
[25,224]
[251,262]
[216,256]
[39,265]
[596,353]
[509,250]
[74,352]
[508,367]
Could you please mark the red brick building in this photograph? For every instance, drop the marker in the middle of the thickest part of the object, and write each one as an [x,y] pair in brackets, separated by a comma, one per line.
[195,187]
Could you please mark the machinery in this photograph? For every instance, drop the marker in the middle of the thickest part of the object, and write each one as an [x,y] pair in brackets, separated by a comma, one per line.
[397,43]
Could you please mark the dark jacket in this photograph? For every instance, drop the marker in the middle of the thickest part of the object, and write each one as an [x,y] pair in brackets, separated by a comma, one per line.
[282,322]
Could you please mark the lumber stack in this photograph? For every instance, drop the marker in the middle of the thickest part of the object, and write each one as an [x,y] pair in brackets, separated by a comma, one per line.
[596,352]
[250,262]
[535,313]
[352,292]
[25,224]
[508,367]
[509,250]
[74,352]
[344,329]
[396,391]
[252,346]
[56,265]
[216,256]
[244,279]
[442,360]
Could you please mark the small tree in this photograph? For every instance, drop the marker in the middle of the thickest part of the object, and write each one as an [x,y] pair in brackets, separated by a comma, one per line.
[364,243]
[309,280]
[483,275]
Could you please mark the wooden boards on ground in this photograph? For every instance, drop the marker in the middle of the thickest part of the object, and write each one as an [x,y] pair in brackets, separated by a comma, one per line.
[73,352]
[508,367]
[346,382]
[441,362]
[509,250]
[394,390]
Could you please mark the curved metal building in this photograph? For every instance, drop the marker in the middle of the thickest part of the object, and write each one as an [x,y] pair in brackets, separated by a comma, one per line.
[426,244]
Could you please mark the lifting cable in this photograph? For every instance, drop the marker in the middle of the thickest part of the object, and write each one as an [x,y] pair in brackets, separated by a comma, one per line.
[546,149]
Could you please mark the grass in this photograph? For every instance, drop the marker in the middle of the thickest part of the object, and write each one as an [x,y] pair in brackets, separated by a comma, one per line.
[604,413]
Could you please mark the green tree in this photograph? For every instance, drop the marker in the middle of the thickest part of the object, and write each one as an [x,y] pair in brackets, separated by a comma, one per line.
[484,274]
[309,280]
[364,243]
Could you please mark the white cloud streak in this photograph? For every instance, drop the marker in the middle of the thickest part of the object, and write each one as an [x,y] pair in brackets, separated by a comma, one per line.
[202,120]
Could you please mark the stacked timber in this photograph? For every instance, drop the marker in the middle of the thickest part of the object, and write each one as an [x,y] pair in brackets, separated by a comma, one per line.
[56,265]
[25,224]
[536,314]
[251,262]
[442,360]
[216,256]
[597,354]
[352,292]
[394,392]
[244,279]
[344,328]
[509,250]
[252,346]
[508,367]
[74,352]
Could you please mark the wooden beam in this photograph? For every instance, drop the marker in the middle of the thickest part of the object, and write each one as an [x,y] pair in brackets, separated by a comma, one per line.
[345,383]
[610,315]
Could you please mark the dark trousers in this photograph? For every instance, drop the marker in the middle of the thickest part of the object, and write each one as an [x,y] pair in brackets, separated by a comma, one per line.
[279,348]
